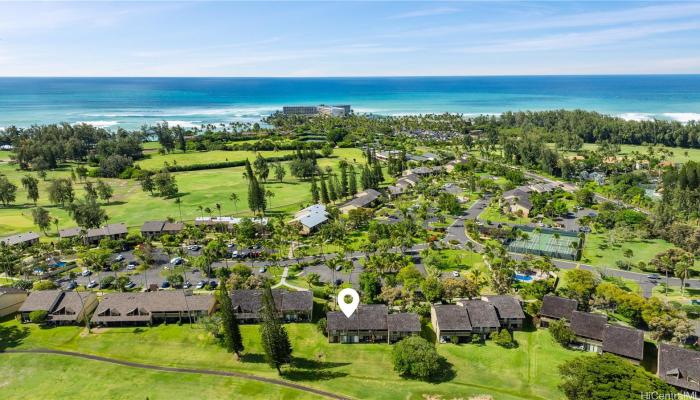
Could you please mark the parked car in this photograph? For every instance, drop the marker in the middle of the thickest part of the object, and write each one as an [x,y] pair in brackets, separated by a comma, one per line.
[262,270]
[87,272]
[213,284]
[201,284]
[653,277]
[92,284]
[177,261]
[338,282]
[193,247]
[338,267]
[455,273]
[187,285]
[234,254]
[165,285]
[130,285]
[131,266]
[71,285]
[119,257]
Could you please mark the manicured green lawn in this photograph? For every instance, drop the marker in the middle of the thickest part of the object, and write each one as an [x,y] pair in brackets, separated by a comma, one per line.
[206,188]
[33,376]
[359,371]
[642,250]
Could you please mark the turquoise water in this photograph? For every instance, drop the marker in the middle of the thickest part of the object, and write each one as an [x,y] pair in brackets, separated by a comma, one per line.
[131,102]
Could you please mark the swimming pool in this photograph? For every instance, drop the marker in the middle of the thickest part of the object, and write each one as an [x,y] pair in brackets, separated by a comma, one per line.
[523,278]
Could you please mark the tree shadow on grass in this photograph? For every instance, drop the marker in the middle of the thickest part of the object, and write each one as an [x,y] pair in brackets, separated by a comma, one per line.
[12,336]
[304,369]
[253,358]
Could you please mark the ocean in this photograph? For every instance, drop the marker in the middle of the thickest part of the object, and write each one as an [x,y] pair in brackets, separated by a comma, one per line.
[132,102]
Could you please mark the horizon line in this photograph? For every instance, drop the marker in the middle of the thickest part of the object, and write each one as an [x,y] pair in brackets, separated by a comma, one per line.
[334,76]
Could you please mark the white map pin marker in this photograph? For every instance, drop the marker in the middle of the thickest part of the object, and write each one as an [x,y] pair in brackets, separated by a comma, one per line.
[348,308]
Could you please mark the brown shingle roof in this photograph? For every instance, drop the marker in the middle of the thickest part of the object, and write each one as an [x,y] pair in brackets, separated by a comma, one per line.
[119,306]
[367,317]
[403,322]
[43,300]
[588,325]
[152,226]
[679,367]
[507,307]
[173,227]
[20,238]
[248,303]
[10,290]
[482,314]
[623,341]
[70,305]
[557,307]
[452,317]
[69,232]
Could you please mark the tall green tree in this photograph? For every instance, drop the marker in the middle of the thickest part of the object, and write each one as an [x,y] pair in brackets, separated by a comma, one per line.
[352,184]
[31,185]
[314,191]
[275,342]
[325,199]
[233,341]
[8,191]
[41,218]
[104,191]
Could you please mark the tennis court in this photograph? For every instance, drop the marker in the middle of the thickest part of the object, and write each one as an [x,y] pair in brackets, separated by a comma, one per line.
[555,244]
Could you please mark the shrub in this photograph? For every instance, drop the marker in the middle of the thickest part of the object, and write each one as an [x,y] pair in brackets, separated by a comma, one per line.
[43,285]
[561,332]
[321,325]
[415,357]
[503,338]
[38,316]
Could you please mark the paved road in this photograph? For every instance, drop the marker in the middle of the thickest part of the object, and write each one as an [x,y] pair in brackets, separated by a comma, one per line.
[151,367]
[456,232]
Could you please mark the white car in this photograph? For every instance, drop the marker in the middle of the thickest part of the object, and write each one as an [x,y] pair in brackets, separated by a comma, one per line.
[177,261]
[87,272]
[92,284]
[455,273]
[119,258]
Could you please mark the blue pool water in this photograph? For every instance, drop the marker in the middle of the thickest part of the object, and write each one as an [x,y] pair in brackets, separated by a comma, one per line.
[523,278]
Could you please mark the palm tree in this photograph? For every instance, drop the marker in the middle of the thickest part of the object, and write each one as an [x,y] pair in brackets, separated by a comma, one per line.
[218,207]
[179,206]
[269,194]
[234,198]
[682,272]
[55,222]
[208,211]
[200,209]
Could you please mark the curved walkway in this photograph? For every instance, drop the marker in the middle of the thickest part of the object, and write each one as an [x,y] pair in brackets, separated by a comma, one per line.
[278,382]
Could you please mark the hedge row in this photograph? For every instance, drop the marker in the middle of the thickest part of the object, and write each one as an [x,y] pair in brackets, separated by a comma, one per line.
[227,164]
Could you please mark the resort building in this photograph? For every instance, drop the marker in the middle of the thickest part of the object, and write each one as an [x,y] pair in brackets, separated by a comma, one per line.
[152,229]
[11,300]
[292,306]
[364,199]
[119,309]
[70,233]
[555,308]
[482,316]
[450,322]
[62,307]
[310,218]
[111,231]
[371,323]
[509,310]
[589,328]
[679,367]
[335,110]
[388,154]
[22,239]
[624,342]
[450,166]
[458,322]
[223,222]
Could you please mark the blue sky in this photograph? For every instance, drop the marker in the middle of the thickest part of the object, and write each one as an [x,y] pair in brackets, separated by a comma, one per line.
[348,38]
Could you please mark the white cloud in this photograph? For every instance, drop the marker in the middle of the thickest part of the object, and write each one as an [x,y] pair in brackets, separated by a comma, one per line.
[426,13]
[577,40]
